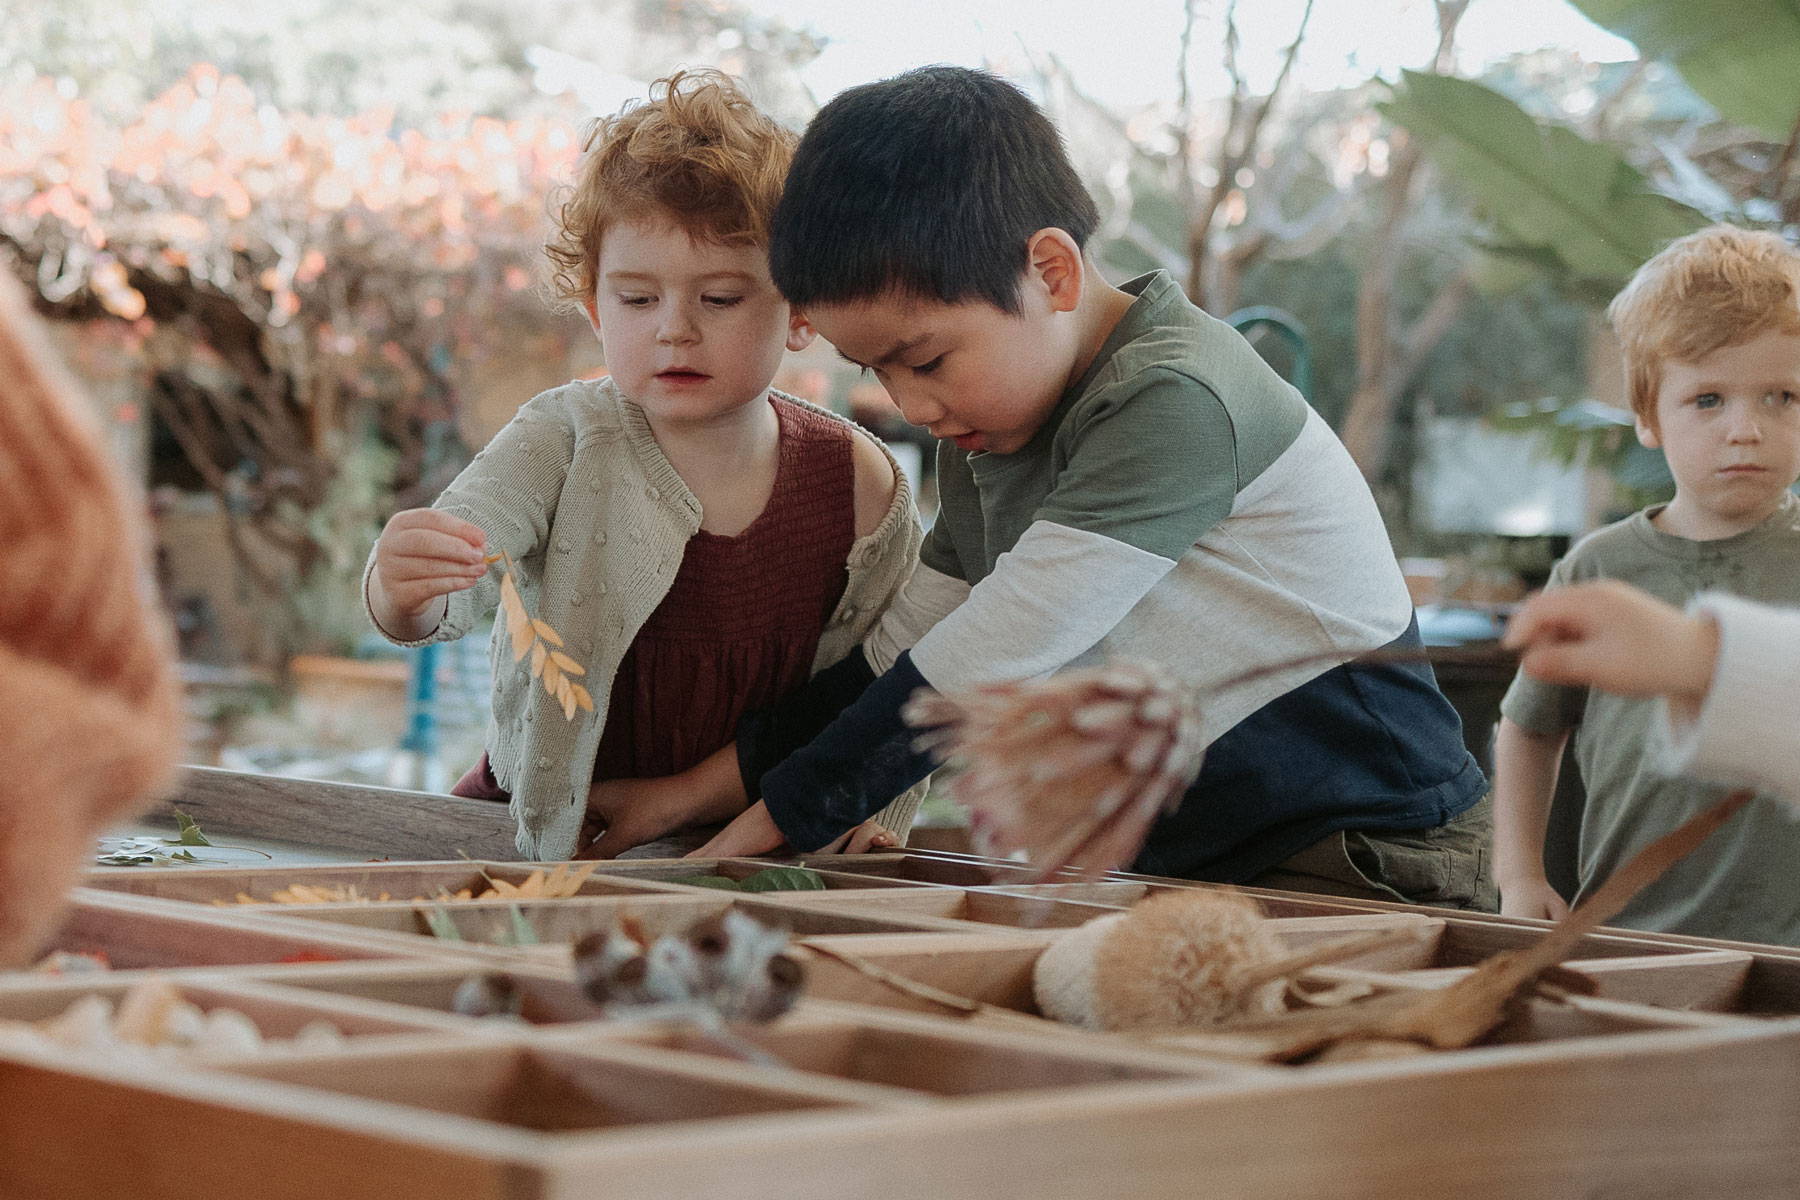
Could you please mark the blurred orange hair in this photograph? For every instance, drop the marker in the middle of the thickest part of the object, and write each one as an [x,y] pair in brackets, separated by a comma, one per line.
[697,152]
[1716,288]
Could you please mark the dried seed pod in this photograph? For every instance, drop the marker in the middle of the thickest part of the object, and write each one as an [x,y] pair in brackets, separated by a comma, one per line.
[1071,770]
[1178,960]
[732,968]
[495,994]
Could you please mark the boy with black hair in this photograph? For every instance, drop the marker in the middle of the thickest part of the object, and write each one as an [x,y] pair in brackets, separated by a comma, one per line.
[1120,474]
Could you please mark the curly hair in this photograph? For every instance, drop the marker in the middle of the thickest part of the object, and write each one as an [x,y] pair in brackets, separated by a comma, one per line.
[1716,288]
[696,152]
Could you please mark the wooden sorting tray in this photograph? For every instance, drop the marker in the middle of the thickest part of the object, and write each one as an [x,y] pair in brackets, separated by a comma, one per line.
[398,881]
[144,934]
[556,923]
[896,1050]
[835,871]
[549,996]
[1676,1079]
[553,1087]
[278,1013]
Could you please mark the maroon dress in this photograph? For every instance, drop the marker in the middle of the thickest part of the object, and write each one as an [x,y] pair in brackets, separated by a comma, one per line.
[741,622]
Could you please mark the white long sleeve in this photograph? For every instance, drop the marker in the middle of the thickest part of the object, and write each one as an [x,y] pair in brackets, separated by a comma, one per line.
[1746,733]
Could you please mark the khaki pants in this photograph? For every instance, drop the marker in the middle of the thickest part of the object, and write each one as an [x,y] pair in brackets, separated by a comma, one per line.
[1446,867]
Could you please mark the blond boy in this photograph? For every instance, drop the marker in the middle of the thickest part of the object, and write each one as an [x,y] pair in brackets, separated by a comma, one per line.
[1710,330]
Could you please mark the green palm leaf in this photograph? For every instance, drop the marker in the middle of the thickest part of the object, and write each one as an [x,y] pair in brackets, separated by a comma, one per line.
[1552,196]
[1741,56]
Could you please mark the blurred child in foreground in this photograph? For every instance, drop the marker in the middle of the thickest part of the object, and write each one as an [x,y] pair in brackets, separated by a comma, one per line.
[1724,675]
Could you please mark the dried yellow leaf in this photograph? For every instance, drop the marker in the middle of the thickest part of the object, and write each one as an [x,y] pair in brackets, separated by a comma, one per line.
[569,665]
[566,696]
[518,621]
[546,632]
[582,699]
[538,656]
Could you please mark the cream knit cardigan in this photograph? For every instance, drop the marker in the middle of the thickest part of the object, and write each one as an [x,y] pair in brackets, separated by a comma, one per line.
[596,519]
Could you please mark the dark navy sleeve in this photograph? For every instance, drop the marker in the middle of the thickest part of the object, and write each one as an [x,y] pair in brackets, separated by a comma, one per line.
[766,736]
[859,763]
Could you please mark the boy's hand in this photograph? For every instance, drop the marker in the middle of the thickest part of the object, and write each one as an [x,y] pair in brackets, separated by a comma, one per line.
[423,554]
[754,832]
[1533,898]
[625,813]
[1616,638]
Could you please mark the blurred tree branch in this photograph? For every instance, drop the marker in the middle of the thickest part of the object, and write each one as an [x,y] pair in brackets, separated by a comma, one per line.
[1387,358]
[1246,116]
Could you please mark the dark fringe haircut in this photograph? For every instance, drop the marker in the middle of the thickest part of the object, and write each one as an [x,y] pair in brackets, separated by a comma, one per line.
[928,184]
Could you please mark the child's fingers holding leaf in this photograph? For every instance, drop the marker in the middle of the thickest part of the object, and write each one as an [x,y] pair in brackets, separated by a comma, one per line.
[432,531]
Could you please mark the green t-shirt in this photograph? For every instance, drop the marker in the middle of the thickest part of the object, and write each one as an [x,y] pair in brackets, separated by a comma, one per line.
[1744,881]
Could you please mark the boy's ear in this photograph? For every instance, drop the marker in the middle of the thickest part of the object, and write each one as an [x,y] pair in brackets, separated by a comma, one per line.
[800,330]
[593,314]
[1646,433]
[1054,267]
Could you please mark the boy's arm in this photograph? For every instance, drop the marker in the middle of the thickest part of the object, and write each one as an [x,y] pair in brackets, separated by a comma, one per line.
[1150,471]
[767,736]
[1526,766]
[1148,475]
[1536,716]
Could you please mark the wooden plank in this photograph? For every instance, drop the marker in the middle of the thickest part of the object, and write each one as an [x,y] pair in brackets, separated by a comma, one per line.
[1612,1118]
[374,821]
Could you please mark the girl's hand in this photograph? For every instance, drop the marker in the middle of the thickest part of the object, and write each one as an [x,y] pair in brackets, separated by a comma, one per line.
[754,832]
[625,813]
[1618,639]
[423,555]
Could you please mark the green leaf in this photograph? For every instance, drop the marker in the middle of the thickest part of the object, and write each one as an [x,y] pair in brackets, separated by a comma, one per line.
[784,879]
[442,925]
[126,860]
[709,881]
[1552,195]
[1740,56]
[522,932]
[145,852]
[188,832]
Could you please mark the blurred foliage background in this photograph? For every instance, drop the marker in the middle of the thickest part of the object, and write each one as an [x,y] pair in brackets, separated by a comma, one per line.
[295,248]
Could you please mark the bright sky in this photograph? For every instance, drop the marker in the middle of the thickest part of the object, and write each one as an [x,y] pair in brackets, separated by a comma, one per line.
[1123,52]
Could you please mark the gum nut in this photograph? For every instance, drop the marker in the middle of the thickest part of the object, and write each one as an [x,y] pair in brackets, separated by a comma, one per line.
[318,1035]
[229,1031]
[184,1024]
[80,1024]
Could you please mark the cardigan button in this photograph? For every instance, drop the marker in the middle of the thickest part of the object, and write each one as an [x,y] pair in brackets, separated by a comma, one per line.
[601,587]
[637,535]
[653,493]
[543,762]
[600,538]
[577,599]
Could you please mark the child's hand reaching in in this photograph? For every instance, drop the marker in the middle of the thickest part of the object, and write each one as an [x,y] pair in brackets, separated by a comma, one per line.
[625,813]
[755,832]
[1533,898]
[423,556]
[1616,638]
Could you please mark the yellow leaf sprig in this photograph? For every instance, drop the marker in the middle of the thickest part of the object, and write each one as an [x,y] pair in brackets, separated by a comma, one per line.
[560,882]
[535,637]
